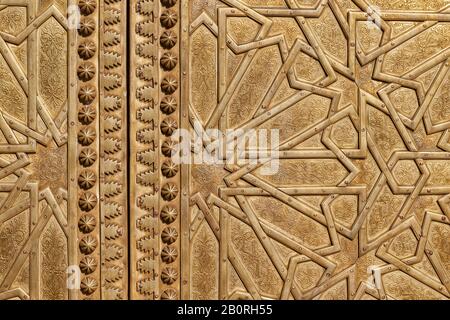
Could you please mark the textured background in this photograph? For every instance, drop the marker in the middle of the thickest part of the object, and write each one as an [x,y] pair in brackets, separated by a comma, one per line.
[359,209]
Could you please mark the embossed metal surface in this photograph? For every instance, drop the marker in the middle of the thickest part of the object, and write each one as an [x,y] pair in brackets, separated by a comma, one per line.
[358,92]
[34,221]
[93,206]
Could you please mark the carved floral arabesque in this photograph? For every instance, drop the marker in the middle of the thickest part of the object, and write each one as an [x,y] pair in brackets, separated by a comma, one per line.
[14,100]
[54,263]
[53,65]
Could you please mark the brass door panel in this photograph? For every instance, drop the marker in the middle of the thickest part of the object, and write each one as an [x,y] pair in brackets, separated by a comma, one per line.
[94,205]
[63,153]
[35,221]
[362,135]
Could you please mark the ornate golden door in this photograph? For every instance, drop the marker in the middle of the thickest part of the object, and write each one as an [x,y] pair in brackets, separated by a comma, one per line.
[96,204]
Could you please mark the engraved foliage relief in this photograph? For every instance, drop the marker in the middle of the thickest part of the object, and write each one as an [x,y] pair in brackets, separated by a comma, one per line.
[94,206]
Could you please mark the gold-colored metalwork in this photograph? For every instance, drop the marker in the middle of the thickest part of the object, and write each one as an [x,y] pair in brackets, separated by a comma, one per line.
[35,221]
[358,92]
[93,206]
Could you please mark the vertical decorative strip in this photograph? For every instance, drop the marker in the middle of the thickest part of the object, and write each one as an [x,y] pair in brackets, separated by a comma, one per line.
[113,149]
[72,159]
[87,123]
[154,178]
[144,158]
[169,174]
[184,114]
[32,72]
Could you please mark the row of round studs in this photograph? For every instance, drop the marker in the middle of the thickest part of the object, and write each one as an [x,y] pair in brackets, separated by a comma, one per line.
[87,114]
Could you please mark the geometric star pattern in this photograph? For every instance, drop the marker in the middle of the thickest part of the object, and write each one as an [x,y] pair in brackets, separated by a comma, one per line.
[358,92]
